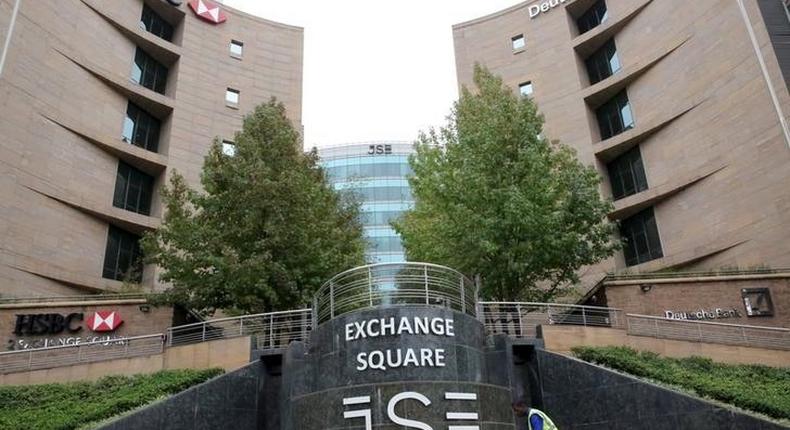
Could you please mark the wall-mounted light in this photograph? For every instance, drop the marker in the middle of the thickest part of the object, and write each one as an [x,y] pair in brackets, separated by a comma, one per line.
[646,287]
[145,308]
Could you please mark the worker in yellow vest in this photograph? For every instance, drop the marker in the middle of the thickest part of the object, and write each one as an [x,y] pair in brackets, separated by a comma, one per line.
[536,419]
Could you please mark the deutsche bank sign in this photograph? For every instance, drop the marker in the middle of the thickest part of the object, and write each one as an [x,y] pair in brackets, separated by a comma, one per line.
[537,9]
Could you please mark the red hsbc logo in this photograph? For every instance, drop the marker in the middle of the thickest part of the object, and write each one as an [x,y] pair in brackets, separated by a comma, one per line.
[101,321]
[208,10]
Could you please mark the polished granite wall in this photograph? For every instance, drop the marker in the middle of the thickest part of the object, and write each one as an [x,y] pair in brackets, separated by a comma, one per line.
[317,380]
[229,401]
[578,395]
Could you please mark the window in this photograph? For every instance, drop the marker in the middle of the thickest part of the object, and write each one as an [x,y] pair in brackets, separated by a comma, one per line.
[149,72]
[228,148]
[133,189]
[641,238]
[627,174]
[758,302]
[603,63]
[155,24]
[595,15]
[518,42]
[122,258]
[232,97]
[236,48]
[525,89]
[614,116]
[140,128]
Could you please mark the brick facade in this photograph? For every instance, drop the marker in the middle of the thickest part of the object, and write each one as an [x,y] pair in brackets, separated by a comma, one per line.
[694,294]
[139,318]
[64,93]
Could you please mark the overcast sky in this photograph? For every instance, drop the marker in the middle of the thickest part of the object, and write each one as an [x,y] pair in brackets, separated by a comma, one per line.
[374,69]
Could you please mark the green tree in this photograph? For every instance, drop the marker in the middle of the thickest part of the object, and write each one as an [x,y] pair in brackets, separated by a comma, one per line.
[494,198]
[264,233]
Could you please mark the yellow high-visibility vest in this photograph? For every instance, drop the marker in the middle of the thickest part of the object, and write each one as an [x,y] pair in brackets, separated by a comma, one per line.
[547,423]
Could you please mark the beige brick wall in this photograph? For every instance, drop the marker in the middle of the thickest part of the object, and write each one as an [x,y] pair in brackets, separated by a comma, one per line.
[562,339]
[136,322]
[228,354]
[48,247]
[691,296]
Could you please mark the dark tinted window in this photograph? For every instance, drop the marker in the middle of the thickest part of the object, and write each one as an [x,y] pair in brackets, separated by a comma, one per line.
[140,128]
[641,238]
[155,24]
[133,189]
[614,116]
[595,15]
[122,259]
[148,72]
[603,63]
[627,174]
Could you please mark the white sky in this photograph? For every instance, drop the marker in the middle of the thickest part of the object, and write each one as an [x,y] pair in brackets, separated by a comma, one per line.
[374,69]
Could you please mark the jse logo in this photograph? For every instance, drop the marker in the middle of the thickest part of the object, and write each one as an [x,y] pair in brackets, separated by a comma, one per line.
[379,149]
[451,416]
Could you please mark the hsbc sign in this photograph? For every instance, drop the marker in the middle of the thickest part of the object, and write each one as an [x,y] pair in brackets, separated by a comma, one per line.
[104,321]
[71,325]
[208,11]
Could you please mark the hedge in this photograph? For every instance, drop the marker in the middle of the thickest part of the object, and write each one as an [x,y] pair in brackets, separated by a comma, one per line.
[73,405]
[757,388]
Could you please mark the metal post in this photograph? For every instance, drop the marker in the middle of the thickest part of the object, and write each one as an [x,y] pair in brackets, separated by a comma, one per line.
[241,326]
[204,332]
[314,312]
[427,296]
[463,296]
[520,322]
[657,329]
[370,287]
[699,332]
[331,300]
[30,359]
[743,333]
[584,317]
[271,331]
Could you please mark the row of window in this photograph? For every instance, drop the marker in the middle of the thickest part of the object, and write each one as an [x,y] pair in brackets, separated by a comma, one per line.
[134,188]
[373,170]
[382,193]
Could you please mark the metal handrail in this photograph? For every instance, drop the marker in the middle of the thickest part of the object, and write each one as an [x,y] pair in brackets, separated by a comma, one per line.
[81,298]
[394,284]
[708,332]
[87,352]
[271,330]
[671,275]
[521,319]
[761,327]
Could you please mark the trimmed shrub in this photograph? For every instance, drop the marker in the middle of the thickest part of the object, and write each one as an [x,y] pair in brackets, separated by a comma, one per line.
[757,388]
[72,405]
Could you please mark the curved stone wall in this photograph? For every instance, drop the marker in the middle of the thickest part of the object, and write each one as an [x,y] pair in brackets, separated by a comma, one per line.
[386,366]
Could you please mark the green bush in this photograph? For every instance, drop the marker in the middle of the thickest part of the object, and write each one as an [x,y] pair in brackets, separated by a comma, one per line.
[72,405]
[757,388]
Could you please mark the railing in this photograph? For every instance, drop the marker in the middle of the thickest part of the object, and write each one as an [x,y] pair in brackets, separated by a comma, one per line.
[269,330]
[82,298]
[710,332]
[394,284]
[521,319]
[66,355]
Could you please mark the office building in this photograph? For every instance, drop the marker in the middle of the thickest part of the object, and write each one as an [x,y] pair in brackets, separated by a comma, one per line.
[100,101]
[376,173]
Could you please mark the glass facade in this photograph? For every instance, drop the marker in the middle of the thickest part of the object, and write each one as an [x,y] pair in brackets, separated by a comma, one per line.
[377,174]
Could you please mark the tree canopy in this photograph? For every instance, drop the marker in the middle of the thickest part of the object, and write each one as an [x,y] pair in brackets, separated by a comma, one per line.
[495,198]
[264,233]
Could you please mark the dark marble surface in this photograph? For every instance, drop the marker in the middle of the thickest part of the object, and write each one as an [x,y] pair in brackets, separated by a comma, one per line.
[230,401]
[579,395]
